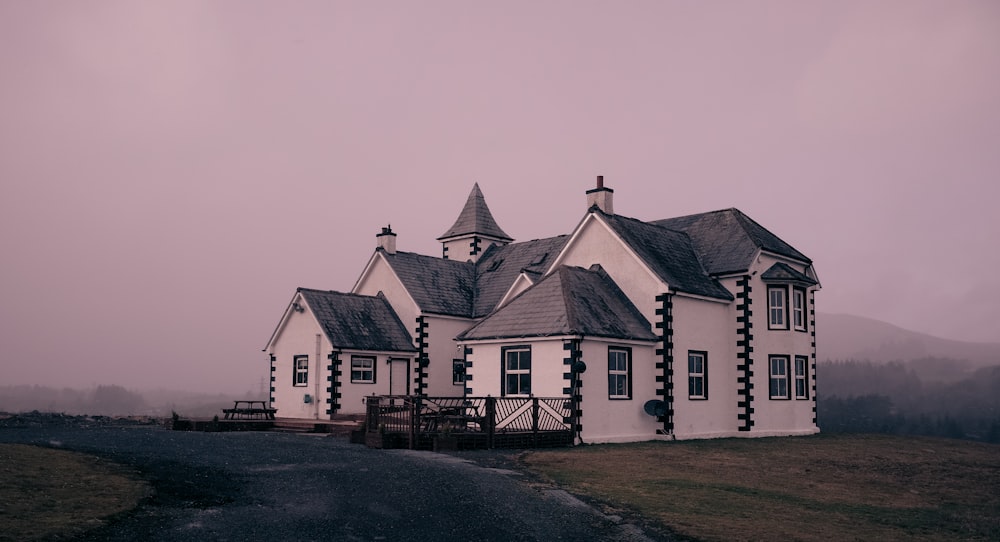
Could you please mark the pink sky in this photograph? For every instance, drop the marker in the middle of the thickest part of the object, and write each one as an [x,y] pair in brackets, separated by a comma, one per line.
[171,171]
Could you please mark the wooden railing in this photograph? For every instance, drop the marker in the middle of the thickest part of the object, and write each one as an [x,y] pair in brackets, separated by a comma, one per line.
[476,422]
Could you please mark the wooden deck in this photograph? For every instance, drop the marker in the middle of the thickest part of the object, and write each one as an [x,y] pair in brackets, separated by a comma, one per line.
[435,423]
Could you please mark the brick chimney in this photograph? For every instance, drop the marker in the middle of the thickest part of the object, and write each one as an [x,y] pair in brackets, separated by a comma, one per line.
[601,197]
[387,240]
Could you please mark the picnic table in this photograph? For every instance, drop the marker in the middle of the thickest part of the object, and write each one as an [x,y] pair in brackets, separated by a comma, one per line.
[249,410]
[452,418]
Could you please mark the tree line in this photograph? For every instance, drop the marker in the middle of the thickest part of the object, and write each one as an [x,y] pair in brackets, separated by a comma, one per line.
[930,396]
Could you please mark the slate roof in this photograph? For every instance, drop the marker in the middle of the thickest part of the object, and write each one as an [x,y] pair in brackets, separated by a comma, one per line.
[670,254]
[569,301]
[782,272]
[438,286]
[499,266]
[727,240]
[476,218]
[358,322]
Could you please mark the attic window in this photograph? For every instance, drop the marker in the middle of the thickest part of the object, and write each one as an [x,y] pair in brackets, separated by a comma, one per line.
[539,260]
[495,265]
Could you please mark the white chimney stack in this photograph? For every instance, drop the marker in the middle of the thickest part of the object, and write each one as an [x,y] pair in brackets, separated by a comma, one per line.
[387,240]
[601,197]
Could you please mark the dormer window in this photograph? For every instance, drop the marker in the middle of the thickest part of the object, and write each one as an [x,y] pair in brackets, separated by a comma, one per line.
[784,312]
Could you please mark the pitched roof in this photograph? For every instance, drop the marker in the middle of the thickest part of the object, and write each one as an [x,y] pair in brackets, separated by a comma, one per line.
[727,240]
[668,253]
[782,272]
[499,266]
[475,218]
[437,285]
[358,322]
[569,301]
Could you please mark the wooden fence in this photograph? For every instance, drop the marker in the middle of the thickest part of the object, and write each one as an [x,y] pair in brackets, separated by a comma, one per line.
[404,421]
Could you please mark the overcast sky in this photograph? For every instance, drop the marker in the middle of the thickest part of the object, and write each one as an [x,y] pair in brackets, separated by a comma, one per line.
[172,171]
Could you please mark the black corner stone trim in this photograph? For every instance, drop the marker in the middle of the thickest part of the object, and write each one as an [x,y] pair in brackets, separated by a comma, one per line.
[420,379]
[744,354]
[335,382]
[812,332]
[665,351]
[573,381]
[270,396]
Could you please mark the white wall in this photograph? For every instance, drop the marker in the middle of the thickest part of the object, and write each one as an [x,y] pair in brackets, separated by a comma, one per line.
[711,328]
[547,368]
[774,416]
[441,351]
[352,395]
[617,420]
[298,337]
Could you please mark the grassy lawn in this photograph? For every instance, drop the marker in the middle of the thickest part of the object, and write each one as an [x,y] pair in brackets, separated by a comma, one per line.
[47,494]
[824,487]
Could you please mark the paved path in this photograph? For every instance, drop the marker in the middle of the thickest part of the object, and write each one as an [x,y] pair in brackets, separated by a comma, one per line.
[274,487]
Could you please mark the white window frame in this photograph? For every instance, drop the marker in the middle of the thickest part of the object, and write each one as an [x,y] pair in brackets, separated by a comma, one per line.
[458,372]
[799,309]
[801,376]
[300,371]
[521,370]
[777,369]
[697,374]
[619,372]
[362,370]
[777,307]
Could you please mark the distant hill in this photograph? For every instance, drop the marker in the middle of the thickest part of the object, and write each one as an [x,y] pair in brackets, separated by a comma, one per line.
[842,337]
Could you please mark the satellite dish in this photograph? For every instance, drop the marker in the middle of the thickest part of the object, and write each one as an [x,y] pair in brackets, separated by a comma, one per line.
[579,367]
[655,407]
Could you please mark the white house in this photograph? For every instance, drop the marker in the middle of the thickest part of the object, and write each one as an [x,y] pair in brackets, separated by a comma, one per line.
[692,327]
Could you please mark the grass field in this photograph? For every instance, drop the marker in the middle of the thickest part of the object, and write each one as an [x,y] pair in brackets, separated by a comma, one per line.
[47,493]
[824,487]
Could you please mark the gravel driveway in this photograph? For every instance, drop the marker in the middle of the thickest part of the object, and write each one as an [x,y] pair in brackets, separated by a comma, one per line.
[277,486]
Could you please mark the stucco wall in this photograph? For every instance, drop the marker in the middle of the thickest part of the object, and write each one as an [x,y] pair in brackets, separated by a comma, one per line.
[441,351]
[617,420]
[547,368]
[778,416]
[352,395]
[298,337]
[707,327]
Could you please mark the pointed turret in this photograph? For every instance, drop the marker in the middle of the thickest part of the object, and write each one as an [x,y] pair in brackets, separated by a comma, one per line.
[474,230]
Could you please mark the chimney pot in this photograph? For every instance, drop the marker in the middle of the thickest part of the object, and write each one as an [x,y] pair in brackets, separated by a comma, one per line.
[600,181]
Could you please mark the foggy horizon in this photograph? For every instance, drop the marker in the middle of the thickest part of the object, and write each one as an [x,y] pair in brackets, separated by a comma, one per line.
[172,172]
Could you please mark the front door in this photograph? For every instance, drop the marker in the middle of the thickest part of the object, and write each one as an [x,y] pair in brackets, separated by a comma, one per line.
[399,377]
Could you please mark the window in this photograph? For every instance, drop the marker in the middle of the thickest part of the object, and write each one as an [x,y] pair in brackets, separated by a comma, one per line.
[697,375]
[458,372]
[779,377]
[799,309]
[777,299]
[362,370]
[801,391]
[517,370]
[300,371]
[619,373]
